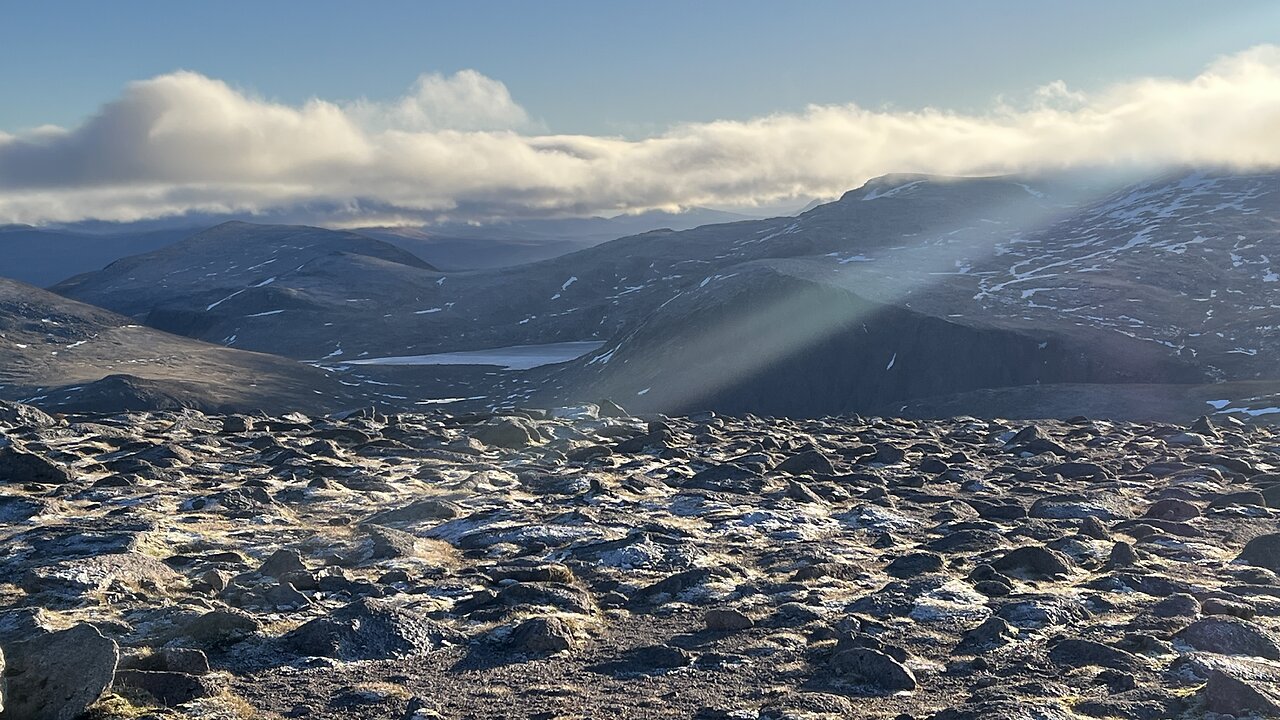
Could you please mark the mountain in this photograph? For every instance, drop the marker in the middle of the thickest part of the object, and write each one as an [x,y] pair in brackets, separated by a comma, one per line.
[41,256]
[68,356]
[273,288]
[910,288]
[1166,282]
[44,256]
[463,246]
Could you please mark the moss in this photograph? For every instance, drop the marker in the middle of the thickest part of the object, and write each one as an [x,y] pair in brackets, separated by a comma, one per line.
[123,704]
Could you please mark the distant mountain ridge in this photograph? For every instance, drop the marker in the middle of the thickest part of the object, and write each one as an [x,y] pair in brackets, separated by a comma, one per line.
[44,256]
[909,287]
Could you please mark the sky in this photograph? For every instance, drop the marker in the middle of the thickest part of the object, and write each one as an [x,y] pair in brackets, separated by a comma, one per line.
[408,111]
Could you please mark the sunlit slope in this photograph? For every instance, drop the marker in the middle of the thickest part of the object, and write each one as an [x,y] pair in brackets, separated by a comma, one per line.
[56,353]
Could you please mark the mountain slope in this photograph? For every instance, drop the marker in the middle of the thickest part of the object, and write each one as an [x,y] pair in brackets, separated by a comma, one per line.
[909,287]
[591,294]
[69,356]
[260,287]
[1166,282]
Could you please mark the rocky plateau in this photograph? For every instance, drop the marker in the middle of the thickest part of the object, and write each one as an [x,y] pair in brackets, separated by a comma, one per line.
[584,563]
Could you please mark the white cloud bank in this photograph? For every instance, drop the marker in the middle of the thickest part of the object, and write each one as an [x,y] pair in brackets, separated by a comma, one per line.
[460,146]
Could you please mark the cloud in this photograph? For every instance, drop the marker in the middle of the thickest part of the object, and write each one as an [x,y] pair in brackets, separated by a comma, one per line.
[466,100]
[460,146]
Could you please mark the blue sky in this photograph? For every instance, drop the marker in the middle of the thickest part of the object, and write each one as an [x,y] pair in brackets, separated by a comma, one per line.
[616,68]
[400,112]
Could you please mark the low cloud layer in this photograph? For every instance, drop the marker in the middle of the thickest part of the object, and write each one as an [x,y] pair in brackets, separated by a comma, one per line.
[461,147]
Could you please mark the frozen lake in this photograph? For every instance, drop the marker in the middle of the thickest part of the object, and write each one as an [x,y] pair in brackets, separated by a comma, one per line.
[515,357]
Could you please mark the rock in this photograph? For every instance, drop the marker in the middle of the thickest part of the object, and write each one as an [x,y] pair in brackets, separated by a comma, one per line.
[1236,697]
[1204,426]
[1262,551]
[1094,528]
[1176,605]
[119,571]
[19,466]
[1078,506]
[1127,700]
[221,627]
[1043,611]
[806,463]
[993,633]
[534,572]
[914,564]
[1220,606]
[237,424]
[1245,498]
[189,661]
[406,539]
[1187,440]
[1078,653]
[16,508]
[611,409]
[170,688]
[508,432]
[587,453]
[1236,686]
[282,562]
[1034,562]
[17,415]
[1230,636]
[727,477]
[659,657]
[1271,496]
[718,620]
[283,596]
[542,635]
[887,454]
[1074,470]
[416,512]
[872,669]
[1122,555]
[389,543]
[1172,509]
[368,629]
[800,492]
[566,598]
[58,675]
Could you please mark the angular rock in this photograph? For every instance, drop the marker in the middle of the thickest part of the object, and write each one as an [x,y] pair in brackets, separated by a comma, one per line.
[1034,562]
[1262,551]
[722,620]
[1231,636]
[58,675]
[1078,653]
[19,466]
[807,462]
[508,432]
[542,635]
[872,669]
[169,688]
[368,630]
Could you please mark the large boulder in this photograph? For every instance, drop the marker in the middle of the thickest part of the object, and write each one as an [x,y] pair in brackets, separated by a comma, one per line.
[369,630]
[1231,636]
[19,466]
[873,670]
[1262,551]
[56,675]
[1034,562]
[508,432]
